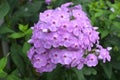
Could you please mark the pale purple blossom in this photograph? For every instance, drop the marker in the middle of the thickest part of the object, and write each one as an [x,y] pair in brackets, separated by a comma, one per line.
[104,55]
[39,60]
[65,36]
[81,64]
[91,60]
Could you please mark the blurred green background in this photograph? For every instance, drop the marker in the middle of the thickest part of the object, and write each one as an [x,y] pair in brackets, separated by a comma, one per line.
[16,18]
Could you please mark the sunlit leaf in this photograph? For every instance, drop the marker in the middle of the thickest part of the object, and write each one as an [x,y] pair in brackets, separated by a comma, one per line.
[23,28]
[3,63]
[17,35]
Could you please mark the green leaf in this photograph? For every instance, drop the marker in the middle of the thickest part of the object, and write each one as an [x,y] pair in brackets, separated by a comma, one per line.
[23,28]
[116,25]
[14,75]
[29,31]
[56,74]
[107,69]
[31,78]
[2,74]
[116,28]
[79,74]
[17,35]
[29,9]
[18,60]
[112,16]
[89,71]
[98,14]
[4,29]
[61,73]
[26,47]
[104,33]
[116,65]
[4,8]
[3,63]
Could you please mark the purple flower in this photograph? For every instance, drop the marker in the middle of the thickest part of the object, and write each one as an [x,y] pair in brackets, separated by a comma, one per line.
[65,36]
[66,5]
[93,36]
[55,55]
[79,14]
[39,61]
[104,55]
[40,50]
[47,68]
[66,26]
[46,15]
[66,58]
[91,60]
[31,53]
[81,64]
[78,7]
[48,1]
[61,16]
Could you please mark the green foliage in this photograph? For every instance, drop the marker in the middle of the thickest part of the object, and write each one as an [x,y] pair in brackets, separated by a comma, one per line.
[109,27]
[13,76]
[89,71]
[79,74]
[4,29]
[2,74]
[3,63]
[26,47]
[23,32]
[20,15]
[107,69]
[23,28]
[17,35]
[4,8]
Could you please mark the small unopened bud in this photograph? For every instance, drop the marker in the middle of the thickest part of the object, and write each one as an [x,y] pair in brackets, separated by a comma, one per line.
[48,1]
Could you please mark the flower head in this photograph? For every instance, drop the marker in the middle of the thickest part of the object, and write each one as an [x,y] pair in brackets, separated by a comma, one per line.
[65,36]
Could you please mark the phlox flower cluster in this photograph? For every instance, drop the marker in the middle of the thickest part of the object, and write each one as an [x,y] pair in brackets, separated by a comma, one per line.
[65,36]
